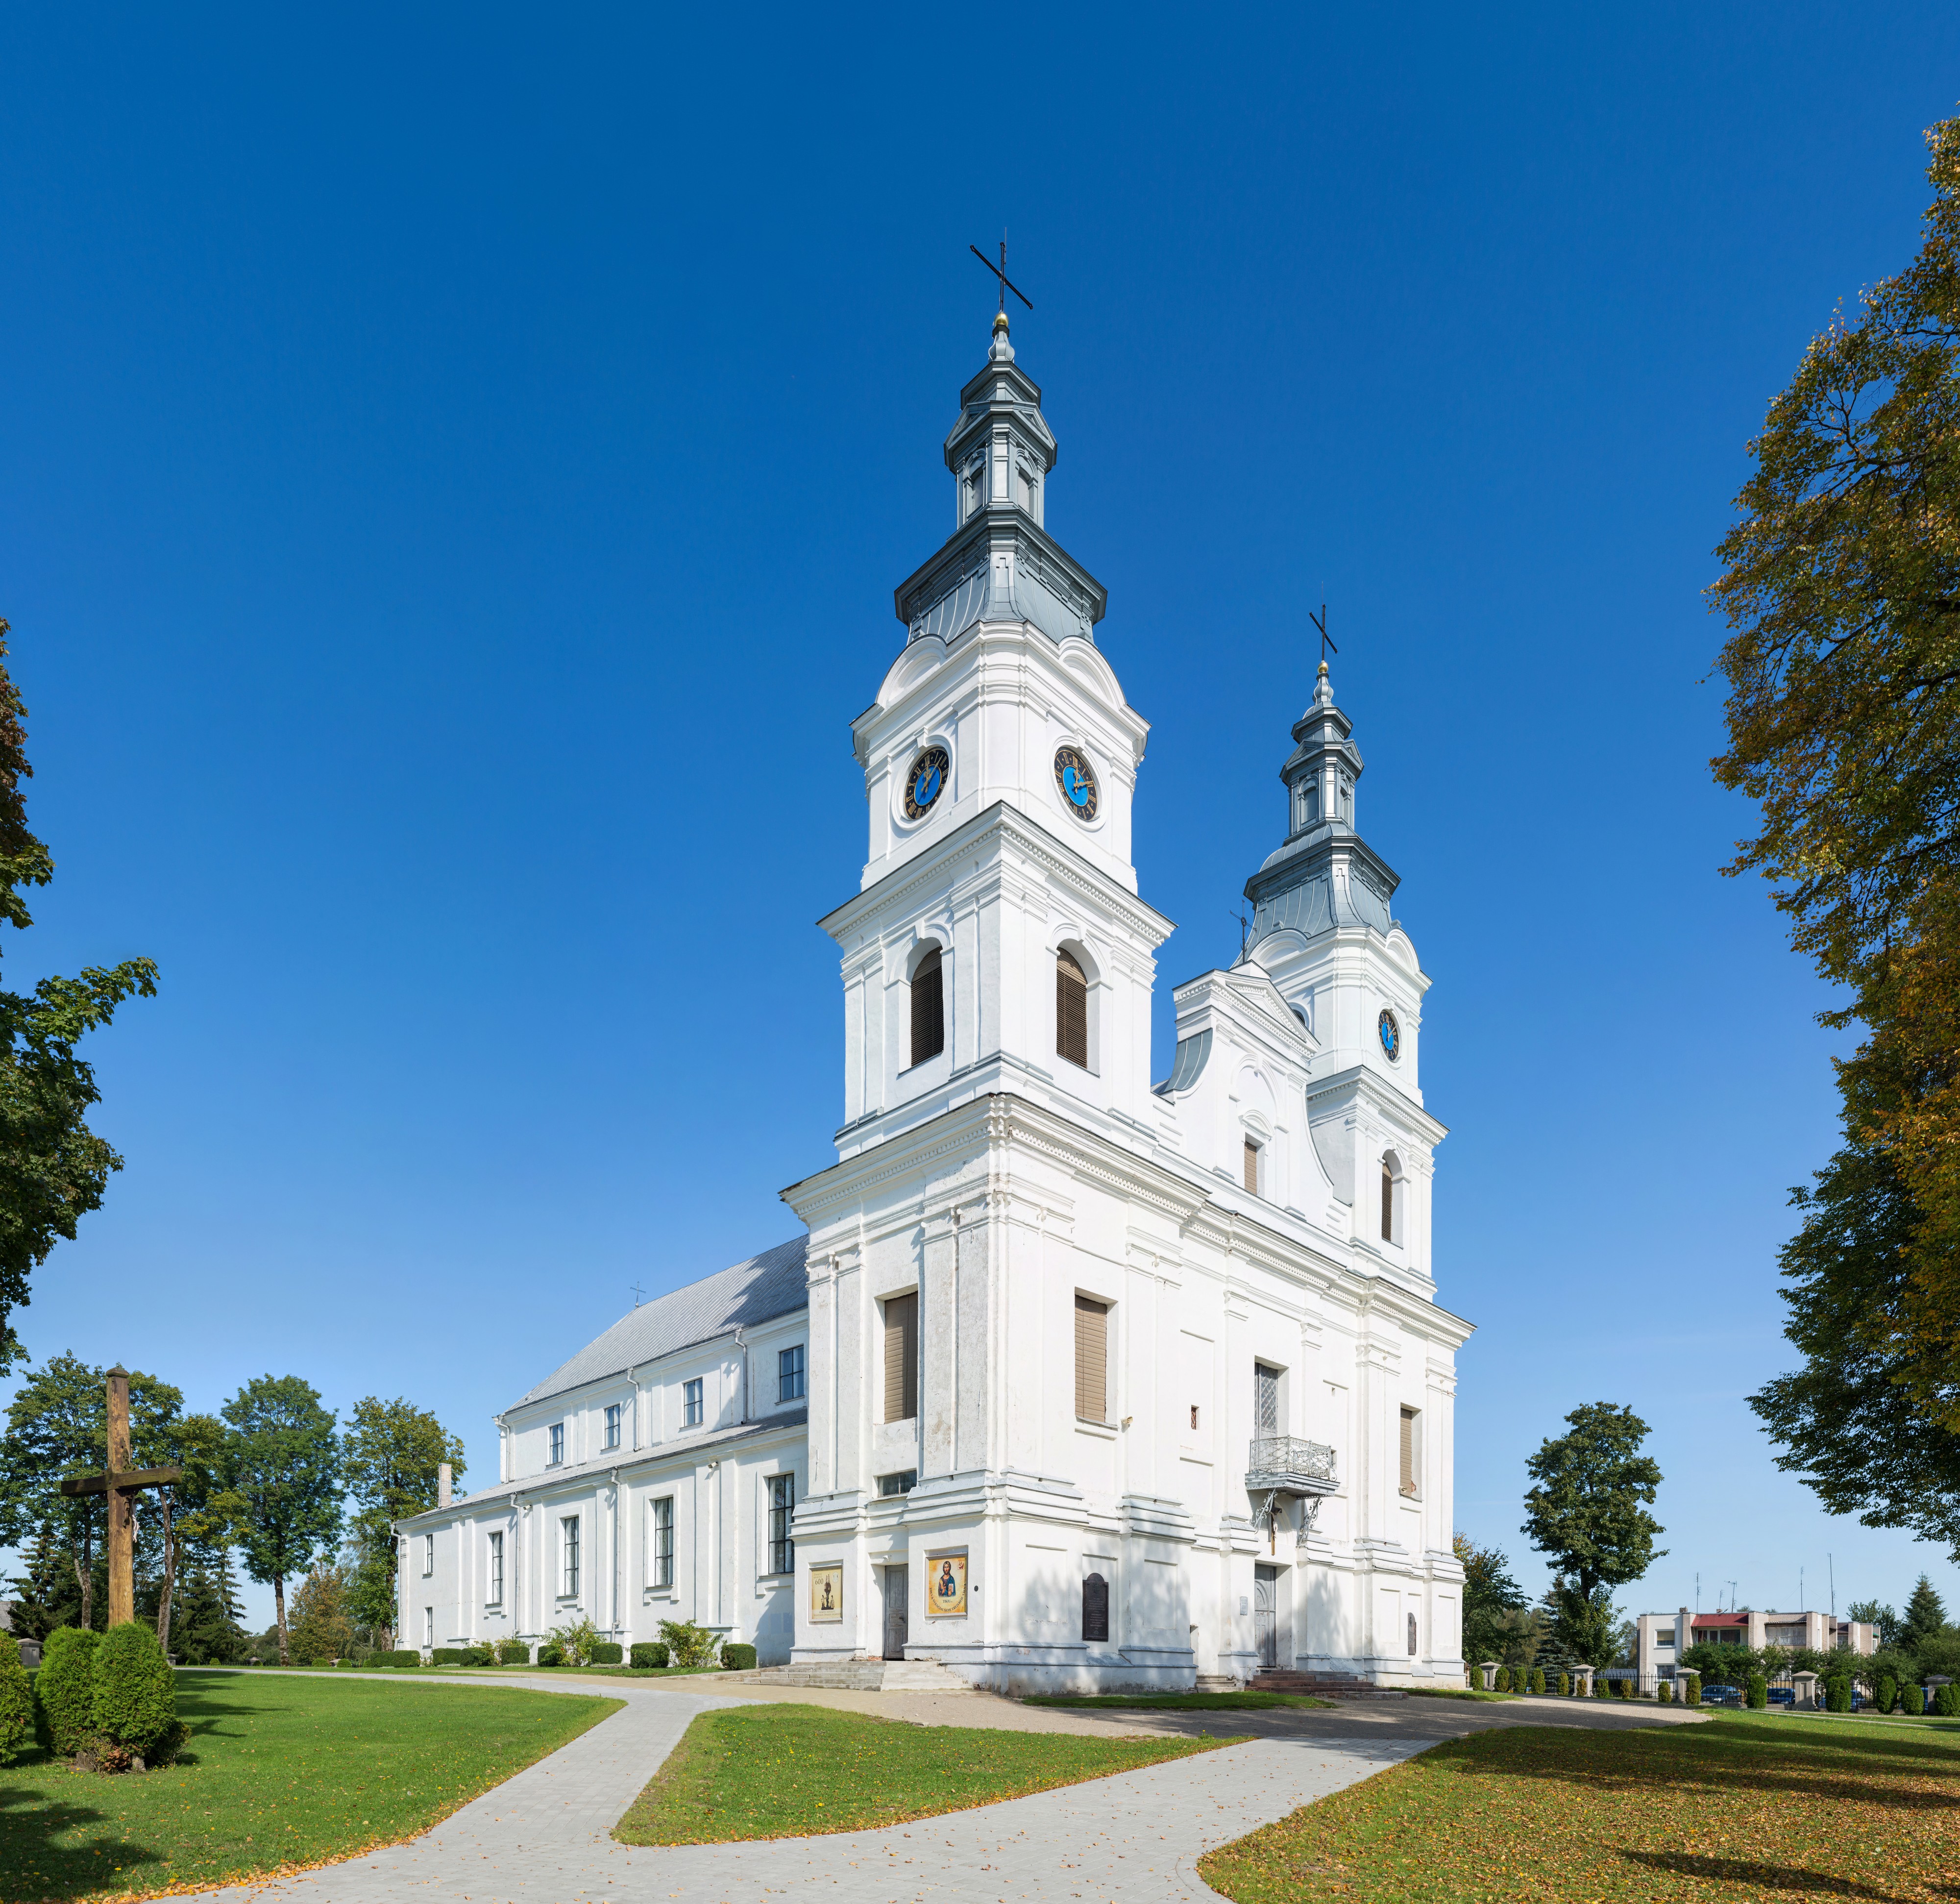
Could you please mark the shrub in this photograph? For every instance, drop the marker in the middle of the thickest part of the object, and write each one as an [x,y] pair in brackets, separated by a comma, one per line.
[1503,1680]
[402,1656]
[574,1644]
[1759,1692]
[480,1656]
[135,1690]
[1691,1693]
[513,1653]
[738,1658]
[1564,1685]
[1946,1702]
[448,1655]
[607,1653]
[1535,1684]
[65,1689]
[1888,1695]
[1664,1693]
[689,1647]
[648,1654]
[1837,1694]
[551,1653]
[1912,1698]
[16,1702]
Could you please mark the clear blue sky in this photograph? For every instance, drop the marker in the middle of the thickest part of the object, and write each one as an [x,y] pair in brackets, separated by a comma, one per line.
[456,463]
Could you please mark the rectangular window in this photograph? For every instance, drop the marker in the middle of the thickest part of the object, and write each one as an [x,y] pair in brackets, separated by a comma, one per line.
[693,1410]
[901,1357]
[1193,1414]
[1252,1167]
[1408,1451]
[428,1555]
[928,1008]
[660,1540]
[782,1504]
[494,1571]
[428,1625]
[1664,1636]
[1092,1360]
[789,1374]
[613,1414]
[558,1444]
[1071,1010]
[891,1484]
[1265,1401]
[568,1553]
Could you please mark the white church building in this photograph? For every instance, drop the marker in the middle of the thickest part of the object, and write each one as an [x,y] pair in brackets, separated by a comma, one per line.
[1075,1378]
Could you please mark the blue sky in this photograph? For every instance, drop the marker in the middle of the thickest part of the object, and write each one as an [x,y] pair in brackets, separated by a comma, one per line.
[456,464]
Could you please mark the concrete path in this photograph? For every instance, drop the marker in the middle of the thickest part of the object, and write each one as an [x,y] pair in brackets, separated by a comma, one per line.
[543,1837]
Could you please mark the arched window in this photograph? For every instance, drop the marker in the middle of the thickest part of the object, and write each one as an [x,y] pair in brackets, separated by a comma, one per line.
[1095,1608]
[1071,1011]
[928,1009]
[1392,1198]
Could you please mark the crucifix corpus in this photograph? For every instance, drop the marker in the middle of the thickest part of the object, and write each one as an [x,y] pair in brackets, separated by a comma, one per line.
[121,1483]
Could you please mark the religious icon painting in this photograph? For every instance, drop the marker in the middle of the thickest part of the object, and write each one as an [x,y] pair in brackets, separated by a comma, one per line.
[827,1594]
[945,1585]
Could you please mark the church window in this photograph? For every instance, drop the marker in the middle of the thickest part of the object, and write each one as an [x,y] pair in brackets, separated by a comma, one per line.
[1071,1011]
[789,1374]
[428,1555]
[659,1540]
[1265,1401]
[1025,489]
[1392,1198]
[1092,1359]
[428,1625]
[568,1557]
[494,1571]
[1252,1167]
[1408,1454]
[928,1009]
[1310,802]
[557,1459]
[1193,1414]
[613,1413]
[1411,1635]
[1095,1608]
[889,1485]
[975,476]
[782,1504]
[693,1408]
[901,1357]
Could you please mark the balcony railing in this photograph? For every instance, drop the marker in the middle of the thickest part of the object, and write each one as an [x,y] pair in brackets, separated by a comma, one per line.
[1281,1464]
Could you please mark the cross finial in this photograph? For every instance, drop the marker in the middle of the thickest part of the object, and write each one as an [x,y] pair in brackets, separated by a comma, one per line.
[638,1294]
[1000,271]
[1320,622]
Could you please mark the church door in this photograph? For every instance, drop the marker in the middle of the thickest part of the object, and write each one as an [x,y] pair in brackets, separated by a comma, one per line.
[896,1594]
[1265,1633]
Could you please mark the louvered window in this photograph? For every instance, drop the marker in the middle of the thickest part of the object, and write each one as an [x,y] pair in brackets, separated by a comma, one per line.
[1387,1202]
[1408,1451]
[1266,1400]
[1092,1359]
[1071,1011]
[1252,1167]
[901,1357]
[928,1009]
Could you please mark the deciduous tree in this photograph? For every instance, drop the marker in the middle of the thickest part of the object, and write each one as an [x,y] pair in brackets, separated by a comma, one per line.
[1586,1510]
[393,1450]
[281,1467]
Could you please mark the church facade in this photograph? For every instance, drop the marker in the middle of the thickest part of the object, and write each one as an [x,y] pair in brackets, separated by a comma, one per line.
[1075,1380]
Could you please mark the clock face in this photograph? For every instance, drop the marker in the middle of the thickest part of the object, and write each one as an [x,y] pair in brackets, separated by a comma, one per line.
[1076,779]
[926,782]
[1392,1034]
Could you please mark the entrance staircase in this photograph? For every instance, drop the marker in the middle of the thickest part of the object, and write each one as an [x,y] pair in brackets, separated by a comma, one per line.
[857,1675]
[1320,1685]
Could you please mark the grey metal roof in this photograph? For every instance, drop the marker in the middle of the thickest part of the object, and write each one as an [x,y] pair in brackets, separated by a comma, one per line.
[756,1292]
[1187,1066]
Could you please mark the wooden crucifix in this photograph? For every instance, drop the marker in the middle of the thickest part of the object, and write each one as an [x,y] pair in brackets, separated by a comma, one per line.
[121,1483]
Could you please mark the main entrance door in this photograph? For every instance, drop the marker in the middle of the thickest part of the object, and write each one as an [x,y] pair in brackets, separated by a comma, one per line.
[1265,1633]
[896,1593]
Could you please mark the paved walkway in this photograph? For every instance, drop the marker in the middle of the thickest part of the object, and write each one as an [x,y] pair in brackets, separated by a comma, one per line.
[544,1836]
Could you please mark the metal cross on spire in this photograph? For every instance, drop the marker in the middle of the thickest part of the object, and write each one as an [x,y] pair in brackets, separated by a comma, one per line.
[1000,271]
[1320,622]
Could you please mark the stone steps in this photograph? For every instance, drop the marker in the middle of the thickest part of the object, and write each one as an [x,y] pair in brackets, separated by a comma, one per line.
[1322,1685]
[857,1675]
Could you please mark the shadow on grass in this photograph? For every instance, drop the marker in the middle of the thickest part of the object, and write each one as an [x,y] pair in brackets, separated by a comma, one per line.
[32,1865]
[1762,1877]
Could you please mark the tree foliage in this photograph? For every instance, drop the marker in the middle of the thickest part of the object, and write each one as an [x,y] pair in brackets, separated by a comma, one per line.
[135,1692]
[1841,588]
[1498,1622]
[1586,1508]
[53,1168]
[322,1628]
[392,1450]
[281,1467]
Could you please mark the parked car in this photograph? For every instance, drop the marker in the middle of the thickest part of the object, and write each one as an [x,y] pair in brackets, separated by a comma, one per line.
[1721,1695]
[1783,1696]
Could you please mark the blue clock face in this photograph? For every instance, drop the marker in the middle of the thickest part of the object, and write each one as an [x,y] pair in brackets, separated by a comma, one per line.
[926,782]
[1392,1034]
[1077,780]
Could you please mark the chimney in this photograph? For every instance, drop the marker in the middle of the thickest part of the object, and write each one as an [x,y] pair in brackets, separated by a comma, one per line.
[442,1485]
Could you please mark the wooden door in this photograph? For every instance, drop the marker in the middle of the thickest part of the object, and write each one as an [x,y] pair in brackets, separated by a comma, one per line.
[897,1592]
[1265,1633]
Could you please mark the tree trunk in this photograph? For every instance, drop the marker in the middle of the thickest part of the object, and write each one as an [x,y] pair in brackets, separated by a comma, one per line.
[279,1604]
[170,1572]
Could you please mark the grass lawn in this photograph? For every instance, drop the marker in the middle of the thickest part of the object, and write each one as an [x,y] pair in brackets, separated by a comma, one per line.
[1176,1701]
[279,1773]
[1739,1809]
[789,1771]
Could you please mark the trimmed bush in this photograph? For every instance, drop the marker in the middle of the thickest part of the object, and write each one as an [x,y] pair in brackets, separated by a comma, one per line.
[1535,1684]
[1888,1695]
[450,1655]
[1837,1694]
[1599,1684]
[1503,1680]
[513,1653]
[16,1702]
[1564,1685]
[607,1652]
[135,1690]
[648,1654]
[65,1689]
[480,1656]
[738,1658]
[1912,1698]
[402,1656]
[1664,1693]
[1759,1692]
[1947,1702]
[1692,1695]
[551,1653]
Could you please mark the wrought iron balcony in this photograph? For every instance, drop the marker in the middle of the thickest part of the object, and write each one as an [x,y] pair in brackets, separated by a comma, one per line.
[1280,1464]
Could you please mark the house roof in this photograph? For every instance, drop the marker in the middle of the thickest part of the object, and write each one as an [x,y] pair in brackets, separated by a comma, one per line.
[743,1297]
